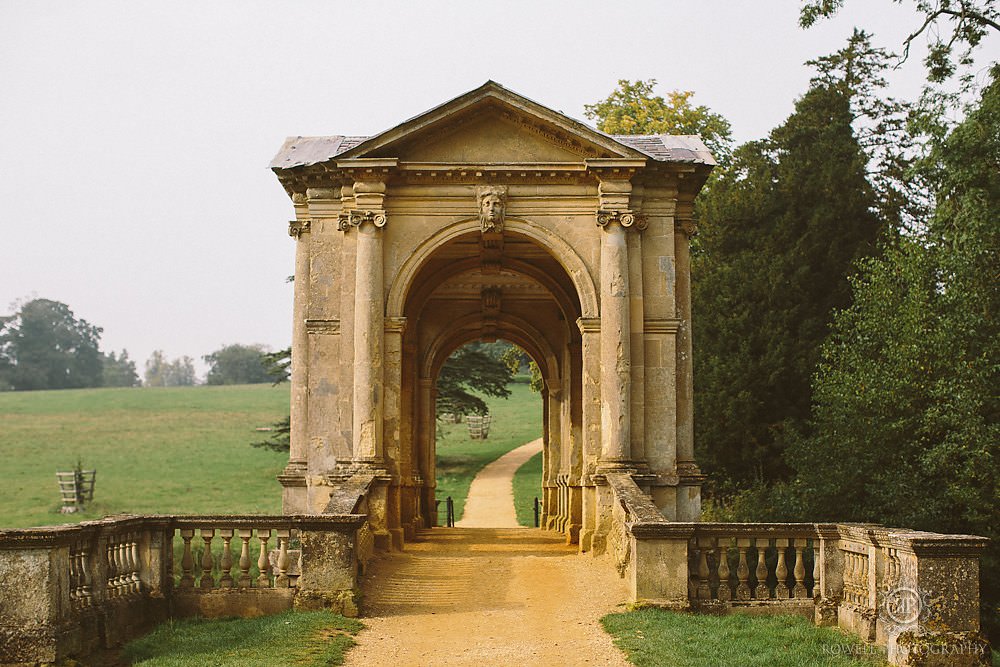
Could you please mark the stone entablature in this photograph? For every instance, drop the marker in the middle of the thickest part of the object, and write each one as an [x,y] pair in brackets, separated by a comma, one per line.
[489,217]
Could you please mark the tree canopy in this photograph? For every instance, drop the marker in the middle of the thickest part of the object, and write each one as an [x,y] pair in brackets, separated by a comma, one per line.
[238,364]
[781,229]
[118,370]
[45,346]
[946,23]
[470,369]
[161,372]
[632,108]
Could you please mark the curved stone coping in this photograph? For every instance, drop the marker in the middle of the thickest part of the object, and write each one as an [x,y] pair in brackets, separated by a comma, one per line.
[44,536]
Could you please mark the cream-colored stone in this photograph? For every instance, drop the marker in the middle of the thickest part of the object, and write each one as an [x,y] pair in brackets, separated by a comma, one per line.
[493,217]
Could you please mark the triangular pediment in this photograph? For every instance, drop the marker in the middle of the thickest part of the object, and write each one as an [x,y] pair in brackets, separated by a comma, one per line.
[491,125]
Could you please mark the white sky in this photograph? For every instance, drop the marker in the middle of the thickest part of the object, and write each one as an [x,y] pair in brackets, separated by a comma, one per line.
[135,136]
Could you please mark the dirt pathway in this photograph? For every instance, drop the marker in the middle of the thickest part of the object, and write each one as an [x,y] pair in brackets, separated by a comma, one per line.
[481,596]
[488,596]
[491,497]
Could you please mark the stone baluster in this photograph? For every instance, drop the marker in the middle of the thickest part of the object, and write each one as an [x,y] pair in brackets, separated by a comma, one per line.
[817,584]
[187,561]
[799,590]
[226,564]
[703,589]
[74,577]
[263,563]
[244,580]
[207,580]
[282,581]
[111,551]
[761,590]
[725,590]
[134,557]
[742,570]
[848,577]
[86,584]
[781,570]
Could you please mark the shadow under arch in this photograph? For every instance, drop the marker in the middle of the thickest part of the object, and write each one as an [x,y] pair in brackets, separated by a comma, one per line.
[559,249]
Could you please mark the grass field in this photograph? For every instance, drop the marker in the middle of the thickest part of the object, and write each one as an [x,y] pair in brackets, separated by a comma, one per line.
[156,450]
[306,639]
[516,420]
[654,637]
[527,487]
[185,450]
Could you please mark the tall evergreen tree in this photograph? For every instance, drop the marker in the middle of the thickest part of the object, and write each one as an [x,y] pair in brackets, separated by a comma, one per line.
[907,415]
[781,230]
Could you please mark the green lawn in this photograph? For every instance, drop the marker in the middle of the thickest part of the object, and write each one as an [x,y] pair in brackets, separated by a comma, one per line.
[527,487]
[654,637]
[306,639]
[516,421]
[156,450]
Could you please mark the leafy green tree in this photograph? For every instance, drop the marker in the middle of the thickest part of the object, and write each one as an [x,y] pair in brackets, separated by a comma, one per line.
[160,372]
[468,369]
[907,414]
[946,23]
[118,371]
[633,109]
[781,229]
[238,364]
[44,346]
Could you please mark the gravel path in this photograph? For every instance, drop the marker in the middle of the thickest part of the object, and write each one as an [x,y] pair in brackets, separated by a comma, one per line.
[488,596]
[491,497]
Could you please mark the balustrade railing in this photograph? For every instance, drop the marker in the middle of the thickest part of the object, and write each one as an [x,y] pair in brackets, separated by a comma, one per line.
[913,592]
[67,590]
[737,563]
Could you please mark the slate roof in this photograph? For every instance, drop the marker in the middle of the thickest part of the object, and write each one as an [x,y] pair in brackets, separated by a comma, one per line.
[304,151]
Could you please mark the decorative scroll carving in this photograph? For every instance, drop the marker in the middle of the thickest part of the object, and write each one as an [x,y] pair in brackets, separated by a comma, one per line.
[297,228]
[626,219]
[492,200]
[356,218]
[685,226]
[326,327]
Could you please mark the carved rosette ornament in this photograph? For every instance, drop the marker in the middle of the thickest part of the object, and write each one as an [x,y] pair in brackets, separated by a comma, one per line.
[297,228]
[626,219]
[346,221]
[492,201]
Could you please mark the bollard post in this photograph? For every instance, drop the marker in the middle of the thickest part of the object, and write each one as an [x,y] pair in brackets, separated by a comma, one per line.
[536,511]
[451,512]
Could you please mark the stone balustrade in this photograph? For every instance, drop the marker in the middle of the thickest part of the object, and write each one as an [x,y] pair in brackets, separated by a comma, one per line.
[914,593]
[74,589]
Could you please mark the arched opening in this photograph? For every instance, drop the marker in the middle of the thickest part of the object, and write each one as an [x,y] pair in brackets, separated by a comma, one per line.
[473,287]
[489,422]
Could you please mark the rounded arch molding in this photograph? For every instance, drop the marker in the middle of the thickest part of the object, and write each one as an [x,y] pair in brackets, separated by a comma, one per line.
[561,251]
[509,327]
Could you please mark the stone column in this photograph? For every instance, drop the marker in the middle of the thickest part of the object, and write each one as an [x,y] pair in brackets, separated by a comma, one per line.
[616,338]
[368,219]
[690,477]
[292,478]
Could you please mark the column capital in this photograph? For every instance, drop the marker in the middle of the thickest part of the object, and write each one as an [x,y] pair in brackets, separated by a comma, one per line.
[685,226]
[355,218]
[626,218]
[589,325]
[296,228]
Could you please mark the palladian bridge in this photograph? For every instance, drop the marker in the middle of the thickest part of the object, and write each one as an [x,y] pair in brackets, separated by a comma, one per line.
[490,216]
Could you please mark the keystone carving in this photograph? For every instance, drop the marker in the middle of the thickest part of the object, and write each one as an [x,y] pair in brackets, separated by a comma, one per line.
[297,228]
[492,201]
[626,219]
[357,218]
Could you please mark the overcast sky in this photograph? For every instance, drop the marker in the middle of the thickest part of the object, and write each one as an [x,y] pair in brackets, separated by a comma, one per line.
[135,136]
